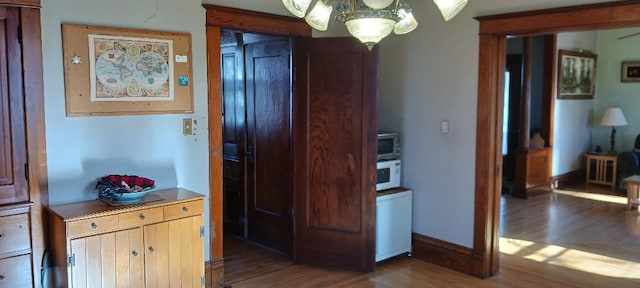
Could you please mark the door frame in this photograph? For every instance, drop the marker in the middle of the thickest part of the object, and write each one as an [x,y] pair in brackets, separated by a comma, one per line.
[219,18]
[492,51]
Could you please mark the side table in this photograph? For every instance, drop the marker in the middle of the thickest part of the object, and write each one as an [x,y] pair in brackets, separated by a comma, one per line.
[606,168]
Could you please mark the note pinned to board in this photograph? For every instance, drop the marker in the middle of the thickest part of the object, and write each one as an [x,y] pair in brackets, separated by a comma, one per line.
[181,59]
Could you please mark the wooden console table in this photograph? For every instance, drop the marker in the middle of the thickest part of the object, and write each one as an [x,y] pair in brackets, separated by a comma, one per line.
[605,169]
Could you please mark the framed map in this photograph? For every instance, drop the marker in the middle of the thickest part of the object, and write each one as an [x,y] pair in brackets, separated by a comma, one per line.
[130,69]
[118,71]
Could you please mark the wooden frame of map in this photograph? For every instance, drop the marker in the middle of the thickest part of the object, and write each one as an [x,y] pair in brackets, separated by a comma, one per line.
[117,71]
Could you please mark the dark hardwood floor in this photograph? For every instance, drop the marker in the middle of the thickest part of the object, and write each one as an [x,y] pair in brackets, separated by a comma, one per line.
[568,238]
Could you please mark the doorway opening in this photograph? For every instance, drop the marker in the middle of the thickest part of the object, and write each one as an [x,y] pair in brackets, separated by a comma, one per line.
[257,155]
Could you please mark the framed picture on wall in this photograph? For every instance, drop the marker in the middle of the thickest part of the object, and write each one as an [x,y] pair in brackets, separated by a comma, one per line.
[630,71]
[120,71]
[576,74]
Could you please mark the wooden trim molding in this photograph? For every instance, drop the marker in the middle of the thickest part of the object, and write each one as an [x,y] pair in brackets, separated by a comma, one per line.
[36,135]
[215,146]
[21,3]
[492,54]
[443,253]
[214,270]
[250,21]
[569,178]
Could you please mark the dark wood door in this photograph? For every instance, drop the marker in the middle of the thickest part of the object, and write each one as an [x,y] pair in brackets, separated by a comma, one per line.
[268,151]
[233,135]
[13,156]
[335,153]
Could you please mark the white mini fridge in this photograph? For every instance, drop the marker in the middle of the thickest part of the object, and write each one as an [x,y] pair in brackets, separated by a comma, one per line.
[393,223]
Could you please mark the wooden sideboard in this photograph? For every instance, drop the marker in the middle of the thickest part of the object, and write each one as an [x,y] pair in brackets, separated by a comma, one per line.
[159,243]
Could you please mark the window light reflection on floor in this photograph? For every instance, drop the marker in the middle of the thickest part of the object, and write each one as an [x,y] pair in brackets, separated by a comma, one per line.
[593,196]
[570,258]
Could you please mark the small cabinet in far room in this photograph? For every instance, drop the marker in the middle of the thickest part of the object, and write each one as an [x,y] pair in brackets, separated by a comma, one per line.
[393,223]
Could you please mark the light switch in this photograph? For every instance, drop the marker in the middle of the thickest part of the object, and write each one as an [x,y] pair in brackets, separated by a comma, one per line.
[444,127]
[187,128]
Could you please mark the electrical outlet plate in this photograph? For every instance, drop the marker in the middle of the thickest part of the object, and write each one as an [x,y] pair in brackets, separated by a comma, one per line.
[444,127]
[187,126]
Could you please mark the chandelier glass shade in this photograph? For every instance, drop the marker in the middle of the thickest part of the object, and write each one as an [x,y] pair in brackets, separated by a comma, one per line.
[368,20]
[449,8]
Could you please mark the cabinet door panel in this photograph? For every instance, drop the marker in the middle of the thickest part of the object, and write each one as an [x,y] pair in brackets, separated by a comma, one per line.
[177,259]
[13,155]
[156,243]
[79,268]
[129,258]
[108,260]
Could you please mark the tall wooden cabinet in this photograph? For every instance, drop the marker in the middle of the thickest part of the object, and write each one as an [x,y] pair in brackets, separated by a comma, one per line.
[22,144]
[155,244]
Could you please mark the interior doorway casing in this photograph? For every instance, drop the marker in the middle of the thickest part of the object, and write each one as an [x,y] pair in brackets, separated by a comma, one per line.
[492,55]
[219,18]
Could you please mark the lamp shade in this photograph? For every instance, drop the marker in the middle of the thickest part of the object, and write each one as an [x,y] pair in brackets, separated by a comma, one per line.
[370,30]
[319,16]
[613,117]
[450,8]
[407,24]
[377,4]
[297,7]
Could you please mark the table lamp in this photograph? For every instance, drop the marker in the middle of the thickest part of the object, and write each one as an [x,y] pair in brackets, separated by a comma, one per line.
[613,117]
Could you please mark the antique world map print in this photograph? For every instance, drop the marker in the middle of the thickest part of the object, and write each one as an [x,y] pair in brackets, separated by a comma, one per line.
[130,69]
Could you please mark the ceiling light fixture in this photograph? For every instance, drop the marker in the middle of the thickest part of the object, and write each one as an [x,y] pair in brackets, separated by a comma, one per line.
[368,20]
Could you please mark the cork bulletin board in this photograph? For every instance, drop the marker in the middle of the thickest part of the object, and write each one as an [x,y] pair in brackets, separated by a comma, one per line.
[117,71]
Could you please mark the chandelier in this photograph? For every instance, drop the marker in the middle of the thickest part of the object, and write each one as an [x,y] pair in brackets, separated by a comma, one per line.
[368,20]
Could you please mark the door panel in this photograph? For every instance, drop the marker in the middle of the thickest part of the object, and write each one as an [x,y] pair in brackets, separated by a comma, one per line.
[232,65]
[233,102]
[13,184]
[335,153]
[268,138]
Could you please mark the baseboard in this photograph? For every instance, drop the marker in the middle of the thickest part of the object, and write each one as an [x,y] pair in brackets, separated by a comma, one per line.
[568,179]
[214,270]
[443,253]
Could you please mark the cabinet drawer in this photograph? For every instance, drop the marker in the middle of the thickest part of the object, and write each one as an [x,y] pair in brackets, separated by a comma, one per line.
[15,272]
[139,218]
[93,226]
[14,233]
[183,209]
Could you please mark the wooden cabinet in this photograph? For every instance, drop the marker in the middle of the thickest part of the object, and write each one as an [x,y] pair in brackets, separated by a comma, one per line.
[15,248]
[23,178]
[393,223]
[533,174]
[155,244]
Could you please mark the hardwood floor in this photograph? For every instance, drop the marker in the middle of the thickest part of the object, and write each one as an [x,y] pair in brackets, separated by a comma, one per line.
[563,239]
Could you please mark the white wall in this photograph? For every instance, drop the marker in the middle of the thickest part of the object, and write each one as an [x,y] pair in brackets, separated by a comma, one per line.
[572,117]
[611,92]
[81,149]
